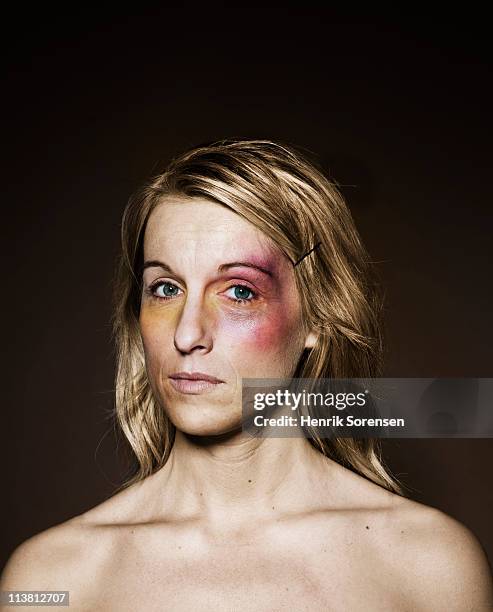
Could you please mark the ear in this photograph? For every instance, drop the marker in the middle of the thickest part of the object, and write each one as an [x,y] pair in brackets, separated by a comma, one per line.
[311,339]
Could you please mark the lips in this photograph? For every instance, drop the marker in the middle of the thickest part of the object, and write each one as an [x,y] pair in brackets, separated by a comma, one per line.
[195,376]
[193,383]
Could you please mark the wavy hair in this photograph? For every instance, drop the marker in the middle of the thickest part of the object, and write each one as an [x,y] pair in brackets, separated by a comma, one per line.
[289,199]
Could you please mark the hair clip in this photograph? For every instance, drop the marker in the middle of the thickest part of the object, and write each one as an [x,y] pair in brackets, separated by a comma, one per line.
[306,254]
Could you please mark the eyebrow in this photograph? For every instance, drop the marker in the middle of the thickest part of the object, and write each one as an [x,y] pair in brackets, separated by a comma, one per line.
[154,263]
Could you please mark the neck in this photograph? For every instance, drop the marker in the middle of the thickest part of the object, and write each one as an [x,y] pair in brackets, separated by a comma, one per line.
[239,476]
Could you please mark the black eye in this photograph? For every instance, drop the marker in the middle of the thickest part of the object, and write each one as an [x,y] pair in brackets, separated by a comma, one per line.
[241,292]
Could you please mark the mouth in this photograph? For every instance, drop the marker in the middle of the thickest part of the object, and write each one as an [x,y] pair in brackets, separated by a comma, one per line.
[194,382]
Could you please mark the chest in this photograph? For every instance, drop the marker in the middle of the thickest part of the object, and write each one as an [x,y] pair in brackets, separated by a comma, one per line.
[249,577]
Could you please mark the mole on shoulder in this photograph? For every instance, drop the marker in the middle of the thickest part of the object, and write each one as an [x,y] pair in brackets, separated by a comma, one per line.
[367,527]
[249,480]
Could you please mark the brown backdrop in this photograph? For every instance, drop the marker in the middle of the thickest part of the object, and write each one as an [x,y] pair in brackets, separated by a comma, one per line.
[398,111]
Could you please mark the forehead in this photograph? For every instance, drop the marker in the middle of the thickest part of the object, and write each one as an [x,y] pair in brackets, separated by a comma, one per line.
[193,228]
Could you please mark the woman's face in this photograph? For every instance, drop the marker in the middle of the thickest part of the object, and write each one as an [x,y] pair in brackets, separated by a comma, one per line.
[218,299]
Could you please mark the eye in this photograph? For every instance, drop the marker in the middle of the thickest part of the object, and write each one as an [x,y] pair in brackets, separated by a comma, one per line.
[163,290]
[242,294]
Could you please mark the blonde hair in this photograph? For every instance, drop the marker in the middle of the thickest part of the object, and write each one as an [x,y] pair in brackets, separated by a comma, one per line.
[277,190]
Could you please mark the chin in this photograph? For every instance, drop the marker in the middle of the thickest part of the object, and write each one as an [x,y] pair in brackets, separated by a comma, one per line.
[204,421]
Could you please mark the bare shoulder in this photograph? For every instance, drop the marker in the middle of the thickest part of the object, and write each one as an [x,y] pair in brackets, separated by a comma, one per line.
[71,556]
[436,561]
[33,561]
[440,562]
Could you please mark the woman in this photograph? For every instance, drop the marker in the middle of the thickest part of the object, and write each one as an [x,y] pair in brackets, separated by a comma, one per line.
[219,281]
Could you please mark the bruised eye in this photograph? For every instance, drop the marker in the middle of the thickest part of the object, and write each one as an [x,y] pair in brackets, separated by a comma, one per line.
[241,293]
[164,290]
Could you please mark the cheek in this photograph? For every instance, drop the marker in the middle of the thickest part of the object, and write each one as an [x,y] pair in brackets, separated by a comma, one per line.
[256,331]
[265,333]
[156,325]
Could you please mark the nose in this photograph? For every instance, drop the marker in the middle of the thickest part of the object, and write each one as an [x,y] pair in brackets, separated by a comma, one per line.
[193,331]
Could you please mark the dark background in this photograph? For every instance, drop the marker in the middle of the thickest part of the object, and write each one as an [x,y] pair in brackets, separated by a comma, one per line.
[396,107]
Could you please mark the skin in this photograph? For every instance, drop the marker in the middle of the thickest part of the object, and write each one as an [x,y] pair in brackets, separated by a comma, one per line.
[232,522]
[203,327]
